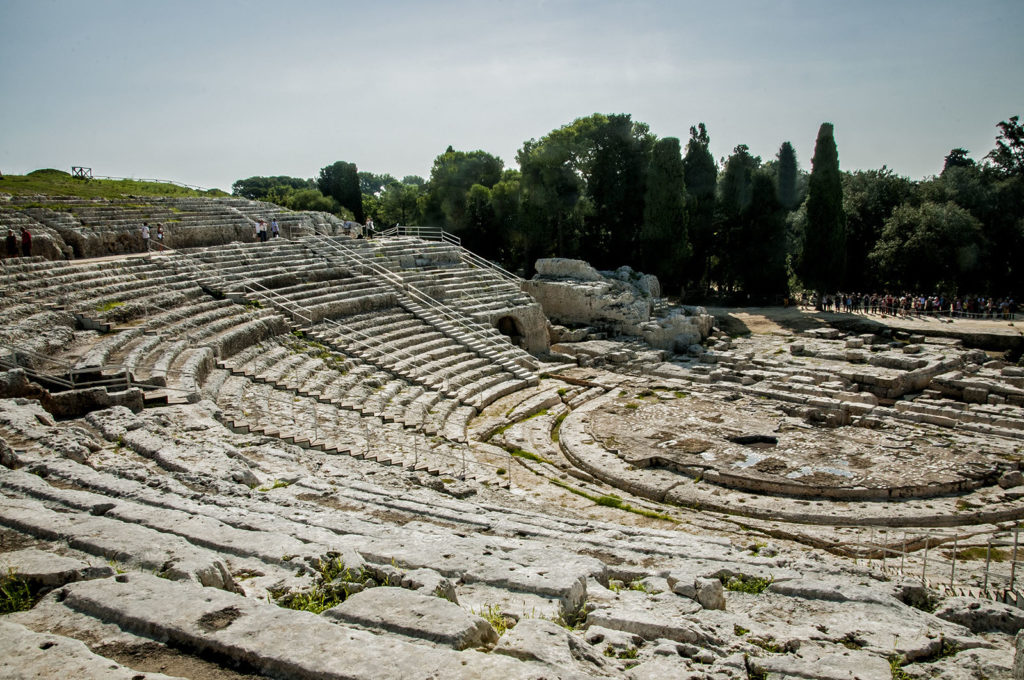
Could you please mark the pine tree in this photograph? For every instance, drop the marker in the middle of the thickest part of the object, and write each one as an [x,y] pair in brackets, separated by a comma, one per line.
[824,253]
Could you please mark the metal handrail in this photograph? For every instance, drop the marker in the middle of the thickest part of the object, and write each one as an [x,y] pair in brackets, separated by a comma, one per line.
[298,312]
[426,233]
[418,296]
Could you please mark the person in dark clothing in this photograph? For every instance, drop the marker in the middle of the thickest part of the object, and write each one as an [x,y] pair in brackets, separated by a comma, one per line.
[26,242]
[12,244]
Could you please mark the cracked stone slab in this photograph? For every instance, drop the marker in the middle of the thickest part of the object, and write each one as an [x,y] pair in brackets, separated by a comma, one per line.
[48,570]
[413,614]
[28,655]
[275,641]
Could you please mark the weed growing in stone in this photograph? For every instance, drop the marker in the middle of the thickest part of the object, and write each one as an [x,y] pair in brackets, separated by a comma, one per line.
[334,585]
[739,630]
[529,455]
[107,306]
[753,585]
[630,653]
[278,484]
[896,668]
[492,614]
[15,594]
[610,501]
[768,644]
[556,428]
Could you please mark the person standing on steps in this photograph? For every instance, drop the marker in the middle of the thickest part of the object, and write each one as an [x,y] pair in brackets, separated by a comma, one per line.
[160,236]
[26,242]
[145,236]
[275,230]
[12,244]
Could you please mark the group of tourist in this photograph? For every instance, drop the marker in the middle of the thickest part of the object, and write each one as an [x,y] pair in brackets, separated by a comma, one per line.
[263,234]
[964,306]
[12,243]
[146,234]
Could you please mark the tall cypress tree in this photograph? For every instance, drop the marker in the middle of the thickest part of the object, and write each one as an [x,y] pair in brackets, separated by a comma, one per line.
[663,238]
[340,180]
[824,254]
[786,191]
[700,175]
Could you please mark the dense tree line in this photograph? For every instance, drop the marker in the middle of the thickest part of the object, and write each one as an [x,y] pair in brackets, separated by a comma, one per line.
[605,189]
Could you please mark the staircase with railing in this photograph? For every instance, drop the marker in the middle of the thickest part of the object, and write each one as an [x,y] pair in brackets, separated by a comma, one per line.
[482,339]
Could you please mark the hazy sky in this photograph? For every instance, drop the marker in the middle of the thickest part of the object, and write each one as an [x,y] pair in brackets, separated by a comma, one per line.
[213,91]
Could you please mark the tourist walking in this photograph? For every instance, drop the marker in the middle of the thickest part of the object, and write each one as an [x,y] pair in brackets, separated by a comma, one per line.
[275,230]
[160,236]
[12,244]
[26,242]
[145,236]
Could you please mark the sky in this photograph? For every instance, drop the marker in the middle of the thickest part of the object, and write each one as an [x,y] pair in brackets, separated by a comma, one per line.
[214,91]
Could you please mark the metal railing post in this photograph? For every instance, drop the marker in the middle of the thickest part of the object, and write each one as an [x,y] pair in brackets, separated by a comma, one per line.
[988,562]
[1013,563]
[924,565]
[952,569]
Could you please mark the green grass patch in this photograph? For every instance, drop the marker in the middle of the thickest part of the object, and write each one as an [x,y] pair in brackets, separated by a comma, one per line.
[15,594]
[768,644]
[557,427]
[754,585]
[107,306]
[739,630]
[896,668]
[278,484]
[528,455]
[610,500]
[60,183]
[633,405]
[331,588]
[492,614]
[979,553]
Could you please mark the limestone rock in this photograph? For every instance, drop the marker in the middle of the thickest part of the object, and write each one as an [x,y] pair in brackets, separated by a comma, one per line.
[27,655]
[710,593]
[406,612]
[982,616]
[429,581]
[48,570]
[1018,657]
[824,663]
[546,642]
[1011,479]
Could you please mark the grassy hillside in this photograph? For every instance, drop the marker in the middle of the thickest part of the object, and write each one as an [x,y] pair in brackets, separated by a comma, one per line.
[59,183]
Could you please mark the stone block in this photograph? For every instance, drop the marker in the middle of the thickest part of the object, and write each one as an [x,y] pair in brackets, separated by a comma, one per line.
[413,614]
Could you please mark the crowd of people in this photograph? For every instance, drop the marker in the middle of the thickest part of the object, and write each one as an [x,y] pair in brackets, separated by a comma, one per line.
[907,304]
[11,249]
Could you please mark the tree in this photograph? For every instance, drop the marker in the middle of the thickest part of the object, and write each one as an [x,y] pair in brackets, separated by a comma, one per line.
[340,181]
[372,184]
[869,198]
[957,158]
[735,192]
[257,188]
[700,176]
[310,199]
[931,246]
[787,172]
[1008,156]
[824,251]
[663,239]
[399,204]
[761,251]
[618,152]
[452,176]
